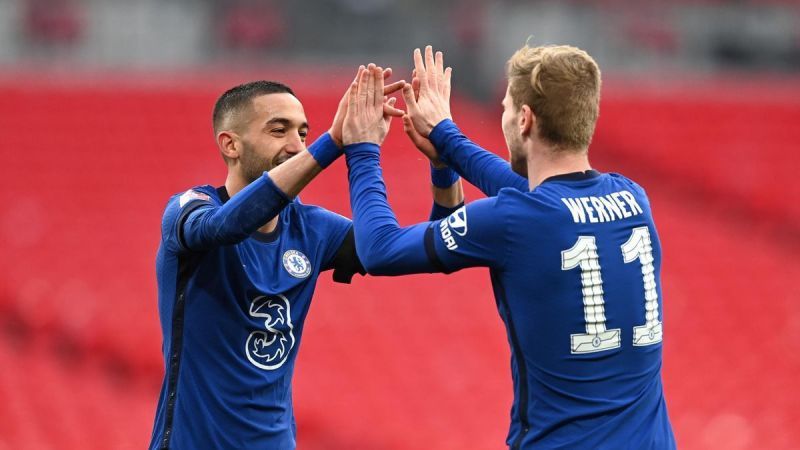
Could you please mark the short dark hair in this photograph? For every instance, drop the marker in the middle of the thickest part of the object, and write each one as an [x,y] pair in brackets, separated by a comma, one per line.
[240,97]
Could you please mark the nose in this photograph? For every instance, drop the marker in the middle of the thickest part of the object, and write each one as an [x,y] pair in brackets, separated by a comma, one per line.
[295,145]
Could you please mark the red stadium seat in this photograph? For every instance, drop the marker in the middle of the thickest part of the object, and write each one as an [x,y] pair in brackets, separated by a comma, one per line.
[419,362]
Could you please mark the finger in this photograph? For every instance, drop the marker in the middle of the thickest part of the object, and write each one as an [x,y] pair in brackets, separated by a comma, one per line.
[378,88]
[370,98]
[419,68]
[387,72]
[352,107]
[415,86]
[393,87]
[407,126]
[430,68]
[439,70]
[408,96]
[448,74]
[361,90]
[390,110]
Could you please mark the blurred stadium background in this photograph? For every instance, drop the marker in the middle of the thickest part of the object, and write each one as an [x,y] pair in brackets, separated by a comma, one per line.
[105,112]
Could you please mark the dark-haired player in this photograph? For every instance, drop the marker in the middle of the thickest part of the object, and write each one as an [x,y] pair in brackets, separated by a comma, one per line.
[237,267]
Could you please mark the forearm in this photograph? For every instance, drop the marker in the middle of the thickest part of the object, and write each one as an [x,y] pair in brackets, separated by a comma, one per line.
[260,201]
[383,246]
[238,218]
[487,171]
[447,191]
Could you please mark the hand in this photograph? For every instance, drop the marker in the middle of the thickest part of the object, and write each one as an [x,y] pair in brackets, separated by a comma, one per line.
[368,114]
[423,144]
[336,127]
[433,102]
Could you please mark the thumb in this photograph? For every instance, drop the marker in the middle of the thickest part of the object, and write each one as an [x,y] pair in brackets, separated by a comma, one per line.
[408,127]
[411,102]
[390,110]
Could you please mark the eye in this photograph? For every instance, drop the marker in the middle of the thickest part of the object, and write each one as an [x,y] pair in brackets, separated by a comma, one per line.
[303,135]
[278,130]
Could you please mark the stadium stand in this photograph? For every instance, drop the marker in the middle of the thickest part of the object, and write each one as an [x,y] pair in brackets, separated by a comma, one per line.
[401,363]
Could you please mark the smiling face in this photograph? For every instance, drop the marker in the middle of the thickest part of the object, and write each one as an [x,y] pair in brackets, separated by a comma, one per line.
[273,131]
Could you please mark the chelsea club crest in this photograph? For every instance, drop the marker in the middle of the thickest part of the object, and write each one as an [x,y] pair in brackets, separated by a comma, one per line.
[296,263]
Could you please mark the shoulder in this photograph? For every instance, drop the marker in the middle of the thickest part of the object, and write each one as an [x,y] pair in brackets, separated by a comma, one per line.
[203,193]
[626,181]
[316,219]
[314,212]
[183,202]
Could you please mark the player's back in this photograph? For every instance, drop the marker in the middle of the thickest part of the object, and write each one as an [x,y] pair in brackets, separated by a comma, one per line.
[581,298]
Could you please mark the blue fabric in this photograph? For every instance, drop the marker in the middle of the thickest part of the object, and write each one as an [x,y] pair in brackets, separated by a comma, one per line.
[571,308]
[487,171]
[324,150]
[210,225]
[443,177]
[439,212]
[232,317]
[383,247]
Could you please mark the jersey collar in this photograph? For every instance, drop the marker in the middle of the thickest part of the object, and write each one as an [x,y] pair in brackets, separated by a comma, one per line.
[574,176]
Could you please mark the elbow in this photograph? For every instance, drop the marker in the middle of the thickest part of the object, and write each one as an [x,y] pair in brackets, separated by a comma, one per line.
[375,253]
[374,262]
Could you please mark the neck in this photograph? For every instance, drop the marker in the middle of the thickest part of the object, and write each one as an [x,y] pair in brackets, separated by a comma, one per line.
[545,162]
[235,183]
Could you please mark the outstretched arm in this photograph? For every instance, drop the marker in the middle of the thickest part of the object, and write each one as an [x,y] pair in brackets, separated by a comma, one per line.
[446,187]
[383,246]
[195,222]
[428,100]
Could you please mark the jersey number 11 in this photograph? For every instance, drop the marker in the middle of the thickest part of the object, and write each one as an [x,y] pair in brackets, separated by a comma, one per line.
[597,337]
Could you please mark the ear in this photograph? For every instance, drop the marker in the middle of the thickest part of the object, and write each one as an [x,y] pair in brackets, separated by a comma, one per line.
[527,120]
[228,143]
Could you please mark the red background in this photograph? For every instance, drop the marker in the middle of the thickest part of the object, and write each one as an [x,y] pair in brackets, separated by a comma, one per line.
[414,362]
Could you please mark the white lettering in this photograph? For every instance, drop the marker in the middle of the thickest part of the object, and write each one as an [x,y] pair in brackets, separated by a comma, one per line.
[612,207]
[589,210]
[632,202]
[601,212]
[621,204]
[447,236]
[575,208]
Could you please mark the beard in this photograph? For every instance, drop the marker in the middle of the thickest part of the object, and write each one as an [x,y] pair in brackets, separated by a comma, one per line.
[516,154]
[253,166]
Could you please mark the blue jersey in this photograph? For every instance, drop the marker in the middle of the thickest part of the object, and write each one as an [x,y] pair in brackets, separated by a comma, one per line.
[232,309]
[575,267]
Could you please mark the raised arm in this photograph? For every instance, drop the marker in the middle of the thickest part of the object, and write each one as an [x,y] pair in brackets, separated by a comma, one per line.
[384,247]
[428,100]
[203,224]
[446,187]
[198,223]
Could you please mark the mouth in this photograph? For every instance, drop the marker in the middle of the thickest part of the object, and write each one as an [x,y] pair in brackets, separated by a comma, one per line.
[282,160]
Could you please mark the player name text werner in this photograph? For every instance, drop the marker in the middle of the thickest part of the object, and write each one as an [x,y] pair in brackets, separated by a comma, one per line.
[607,208]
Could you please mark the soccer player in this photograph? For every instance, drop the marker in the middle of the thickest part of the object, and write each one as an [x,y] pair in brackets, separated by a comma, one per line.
[237,267]
[573,253]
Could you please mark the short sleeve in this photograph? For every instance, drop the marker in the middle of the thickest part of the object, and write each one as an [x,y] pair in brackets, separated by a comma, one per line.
[474,235]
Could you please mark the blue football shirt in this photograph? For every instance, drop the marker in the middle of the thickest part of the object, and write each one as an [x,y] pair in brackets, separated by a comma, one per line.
[232,318]
[575,266]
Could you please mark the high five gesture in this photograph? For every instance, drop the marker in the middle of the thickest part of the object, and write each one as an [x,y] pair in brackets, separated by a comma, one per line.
[368,113]
[433,103]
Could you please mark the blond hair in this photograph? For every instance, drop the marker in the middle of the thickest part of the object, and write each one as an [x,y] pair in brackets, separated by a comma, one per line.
[561,84]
